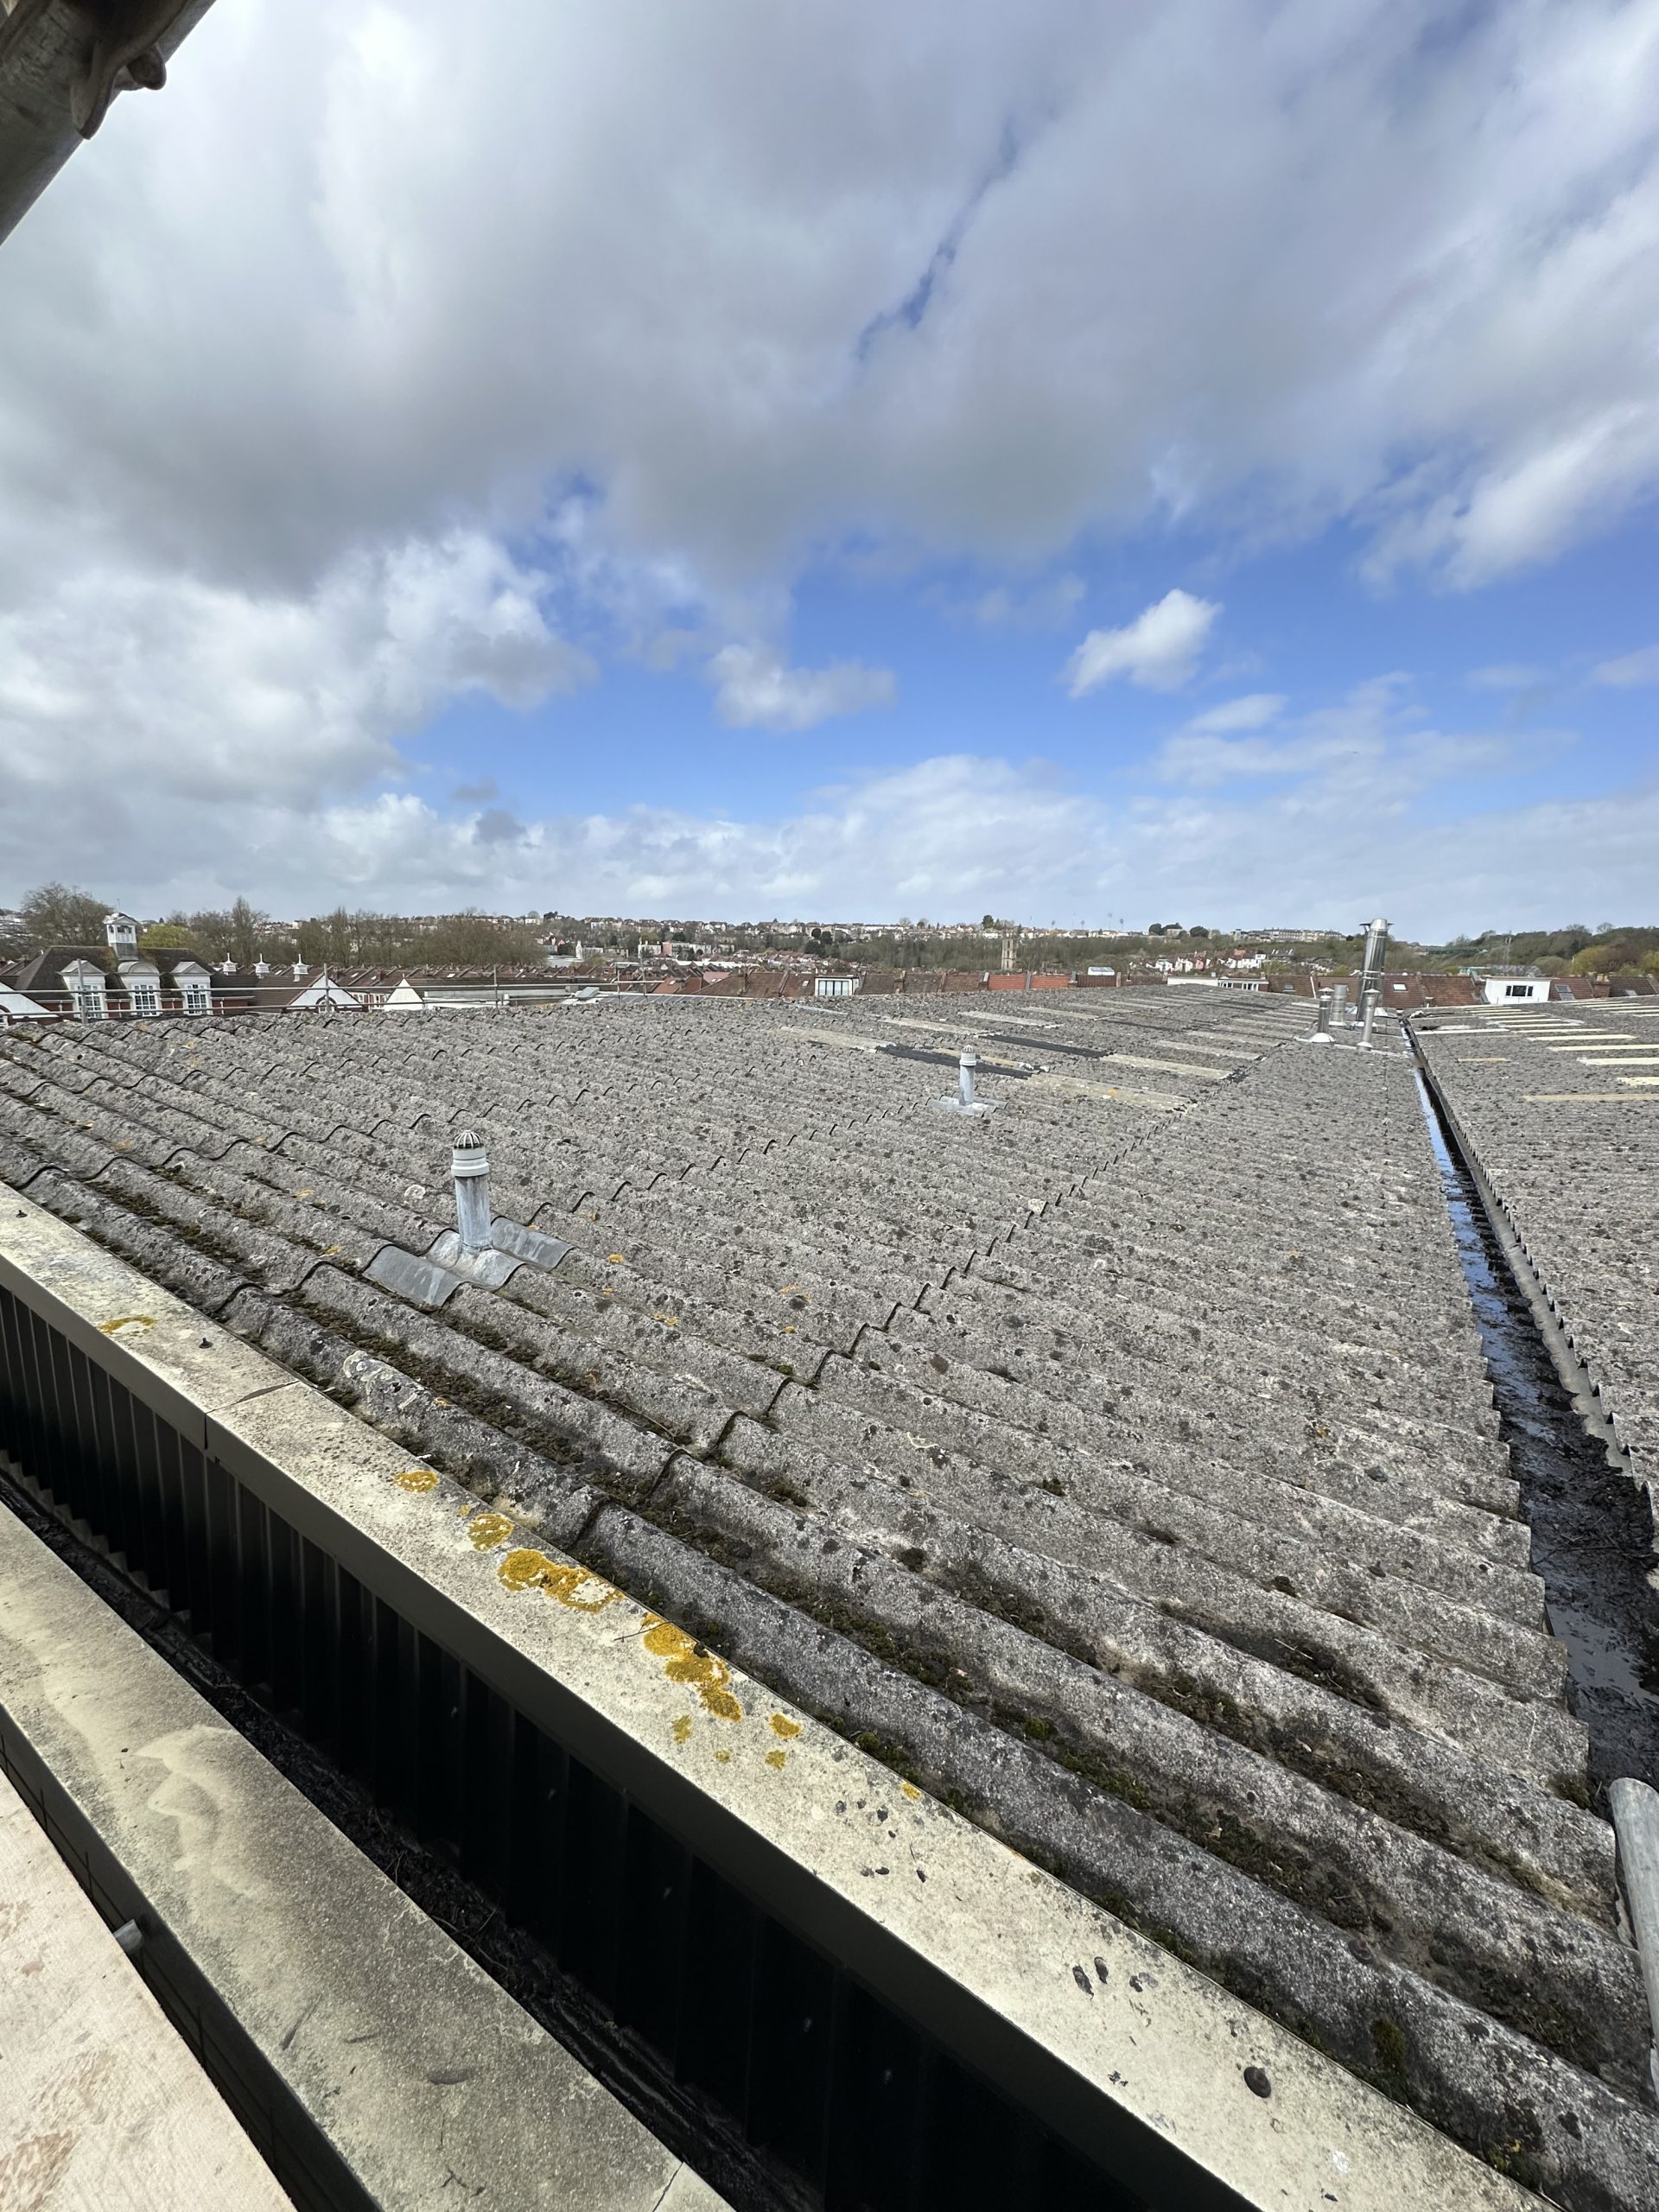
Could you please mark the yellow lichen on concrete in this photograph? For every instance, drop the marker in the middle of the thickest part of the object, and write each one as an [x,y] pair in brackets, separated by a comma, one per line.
[416,1478]
[523,1569]
[781,1725]
[681,1731]
[909,1789]
[486,1530]
[126,1321]
[686,1660]
[777,1759]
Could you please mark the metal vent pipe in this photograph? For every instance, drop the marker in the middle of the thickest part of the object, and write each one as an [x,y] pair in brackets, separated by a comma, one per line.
[1322,1026]
[1376,951]
[965,1067]
[471,1171]
[1367,1015]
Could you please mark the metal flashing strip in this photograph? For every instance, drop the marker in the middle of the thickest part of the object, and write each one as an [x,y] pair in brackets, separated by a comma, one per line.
[1155,2075]
[424,1281]
[489,1270]
[533,1246]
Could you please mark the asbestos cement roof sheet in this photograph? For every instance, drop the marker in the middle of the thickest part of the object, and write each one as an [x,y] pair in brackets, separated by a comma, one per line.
[1119,1465]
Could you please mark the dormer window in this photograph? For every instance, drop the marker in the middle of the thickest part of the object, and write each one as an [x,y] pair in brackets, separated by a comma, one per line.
[84,984]
[142,982]
[122,931]
[195,992]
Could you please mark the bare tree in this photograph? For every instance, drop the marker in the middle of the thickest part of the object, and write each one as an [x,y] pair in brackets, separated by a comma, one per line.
[61,913]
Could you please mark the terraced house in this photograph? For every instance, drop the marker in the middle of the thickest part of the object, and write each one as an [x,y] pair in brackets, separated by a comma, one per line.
[872,1604]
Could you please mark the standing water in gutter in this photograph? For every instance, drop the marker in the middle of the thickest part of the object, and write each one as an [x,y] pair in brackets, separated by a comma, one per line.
[1591,1533]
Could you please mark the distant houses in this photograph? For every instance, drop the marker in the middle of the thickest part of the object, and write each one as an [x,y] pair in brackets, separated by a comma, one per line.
[122,980]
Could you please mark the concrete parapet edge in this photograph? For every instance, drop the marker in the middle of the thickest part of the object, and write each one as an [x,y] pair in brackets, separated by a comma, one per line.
[42,49]
[371,2061]
[1114,2042]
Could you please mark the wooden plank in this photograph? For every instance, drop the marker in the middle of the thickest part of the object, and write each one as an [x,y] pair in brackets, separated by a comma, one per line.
[102,2106]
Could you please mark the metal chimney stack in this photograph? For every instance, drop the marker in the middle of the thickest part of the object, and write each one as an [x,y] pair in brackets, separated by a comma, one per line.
[471,1171]
[1367,1015]
[1338,1005]
[1322,1028]
[965,1067]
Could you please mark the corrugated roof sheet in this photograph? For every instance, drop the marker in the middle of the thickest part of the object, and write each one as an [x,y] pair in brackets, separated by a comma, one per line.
[1122,1467]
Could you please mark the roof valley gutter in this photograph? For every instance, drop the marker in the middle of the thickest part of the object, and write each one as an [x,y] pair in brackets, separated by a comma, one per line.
[1593,1515]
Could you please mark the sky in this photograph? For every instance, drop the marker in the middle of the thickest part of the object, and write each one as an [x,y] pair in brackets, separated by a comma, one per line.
[1191,460]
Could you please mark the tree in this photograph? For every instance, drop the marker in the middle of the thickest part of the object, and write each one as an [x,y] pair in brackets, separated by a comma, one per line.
[1197,930]
[210,933]
[165,936]
[245,932]
[61,913]
[1612,959]
[989,923]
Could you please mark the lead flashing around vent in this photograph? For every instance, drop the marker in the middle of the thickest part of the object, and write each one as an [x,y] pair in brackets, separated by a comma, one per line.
[533,1246]
[487,1268]
[964,1102]
[1135,2057]
[425,1282]
[355,2030]
[431,1279]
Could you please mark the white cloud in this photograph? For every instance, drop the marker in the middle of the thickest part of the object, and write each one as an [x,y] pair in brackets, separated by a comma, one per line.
[1373,745]
[1158,649]
[362,368]
[1507,675]
[756,689]
[1378,269]
[1629,669]
[1049,606]
[1357,808]
[116,682]
[1251,712]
